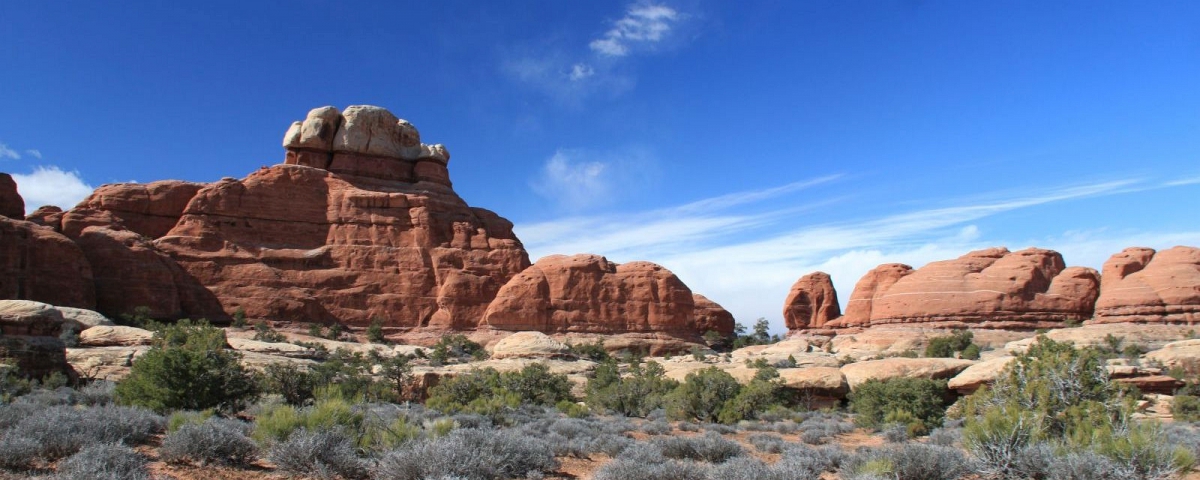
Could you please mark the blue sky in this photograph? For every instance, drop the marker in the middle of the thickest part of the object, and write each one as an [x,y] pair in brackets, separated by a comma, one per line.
[740,144]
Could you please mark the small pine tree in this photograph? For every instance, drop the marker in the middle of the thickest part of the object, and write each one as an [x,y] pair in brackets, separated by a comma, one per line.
[375,332]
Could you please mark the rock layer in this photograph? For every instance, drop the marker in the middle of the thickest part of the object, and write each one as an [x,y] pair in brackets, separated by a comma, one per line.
[992,288]
[37,263]
[811,303]
[588,293]
[1140,285]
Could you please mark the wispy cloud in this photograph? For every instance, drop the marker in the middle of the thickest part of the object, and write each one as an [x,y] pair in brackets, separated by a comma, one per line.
[642,25]
[34,153]
[8,153]
[50,185]
[572,75]
[744,252]
[1183,181]
[581,179]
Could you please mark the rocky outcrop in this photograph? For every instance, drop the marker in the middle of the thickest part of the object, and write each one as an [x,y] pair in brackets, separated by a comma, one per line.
[39,264]
[115,336]
[149,209]
[11,203]
[588,293]
[132,274]
[35,357]
[978,375]
[1141,285]
[47,216]
[934,368]
[992,288]
[710,316]
[811,303]
[869,287]
[529,345]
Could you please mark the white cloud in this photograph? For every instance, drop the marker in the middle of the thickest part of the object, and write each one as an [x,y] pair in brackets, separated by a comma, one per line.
[50,185]
[581,71]
[580,179]
[9,153]
[642,25]
[1183,181]
[747,259]
[34,153]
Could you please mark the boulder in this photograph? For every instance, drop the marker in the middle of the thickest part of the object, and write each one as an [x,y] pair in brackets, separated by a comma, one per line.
[34,356]
[84,318]
[11,203]
[869,287]
[37,263]
[115,336]
[104,363]
[529,345]
[29,318]
[1140,285]
[817,381]
[1182,354]
[934,368]
[260,361]
[588,293]
[992,288]
[811,303]
[711,317]
[978,375]
[1153,384]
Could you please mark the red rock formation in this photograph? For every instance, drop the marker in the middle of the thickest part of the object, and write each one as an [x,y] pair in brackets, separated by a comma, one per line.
[11,203]
[868,288]
[371,237]
[150,209]
[711,316]
[991,288]
[812,302]
[1140,285]
[588,293]
[37,263]
[47,216]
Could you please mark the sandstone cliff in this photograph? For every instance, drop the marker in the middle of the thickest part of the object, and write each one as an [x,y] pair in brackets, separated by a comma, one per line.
[1141,285]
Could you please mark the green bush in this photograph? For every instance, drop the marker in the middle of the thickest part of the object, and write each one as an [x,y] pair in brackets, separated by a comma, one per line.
[756,397]
[1185,408]
[330,412]
[702,395]
[591,351]
[633,395]
[189,368]
[375,332]
[295,385]
[489,392]
[264,333]
[239,318]
[946,347]
[456,347]
[921,398]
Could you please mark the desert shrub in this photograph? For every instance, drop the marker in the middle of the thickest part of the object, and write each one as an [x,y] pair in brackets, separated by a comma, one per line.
[295,385]
[720,428]
[946,347]
[710,448]
[239,318]
[972,352]
[911,461]
[99,392]
[375,332]
[945,436]
[104,462]
[635,395]
[702,395]
[326,454]
[809,463]
[456,347]
[186,417]
[1058,394]
[351,372]
[489,392]
[469,454]
[264,333]
[921,400]
[216,440]
[1083,466]
[330,412]
[591,351]
[646,462]
[767,443]
[1185,408]
[895,433]
[755,397]
[59,431]
[658,427]
[189,368]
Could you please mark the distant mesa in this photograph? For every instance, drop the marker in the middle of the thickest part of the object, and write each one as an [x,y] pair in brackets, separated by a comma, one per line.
[359,223]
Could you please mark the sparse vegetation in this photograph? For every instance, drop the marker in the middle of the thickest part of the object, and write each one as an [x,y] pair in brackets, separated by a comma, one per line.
[959,343]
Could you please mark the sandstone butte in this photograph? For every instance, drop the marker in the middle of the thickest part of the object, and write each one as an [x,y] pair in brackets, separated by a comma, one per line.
[999,289]
[360,223]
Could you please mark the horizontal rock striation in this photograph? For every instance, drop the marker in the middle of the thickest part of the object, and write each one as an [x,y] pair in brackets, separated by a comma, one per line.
[1144,286]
